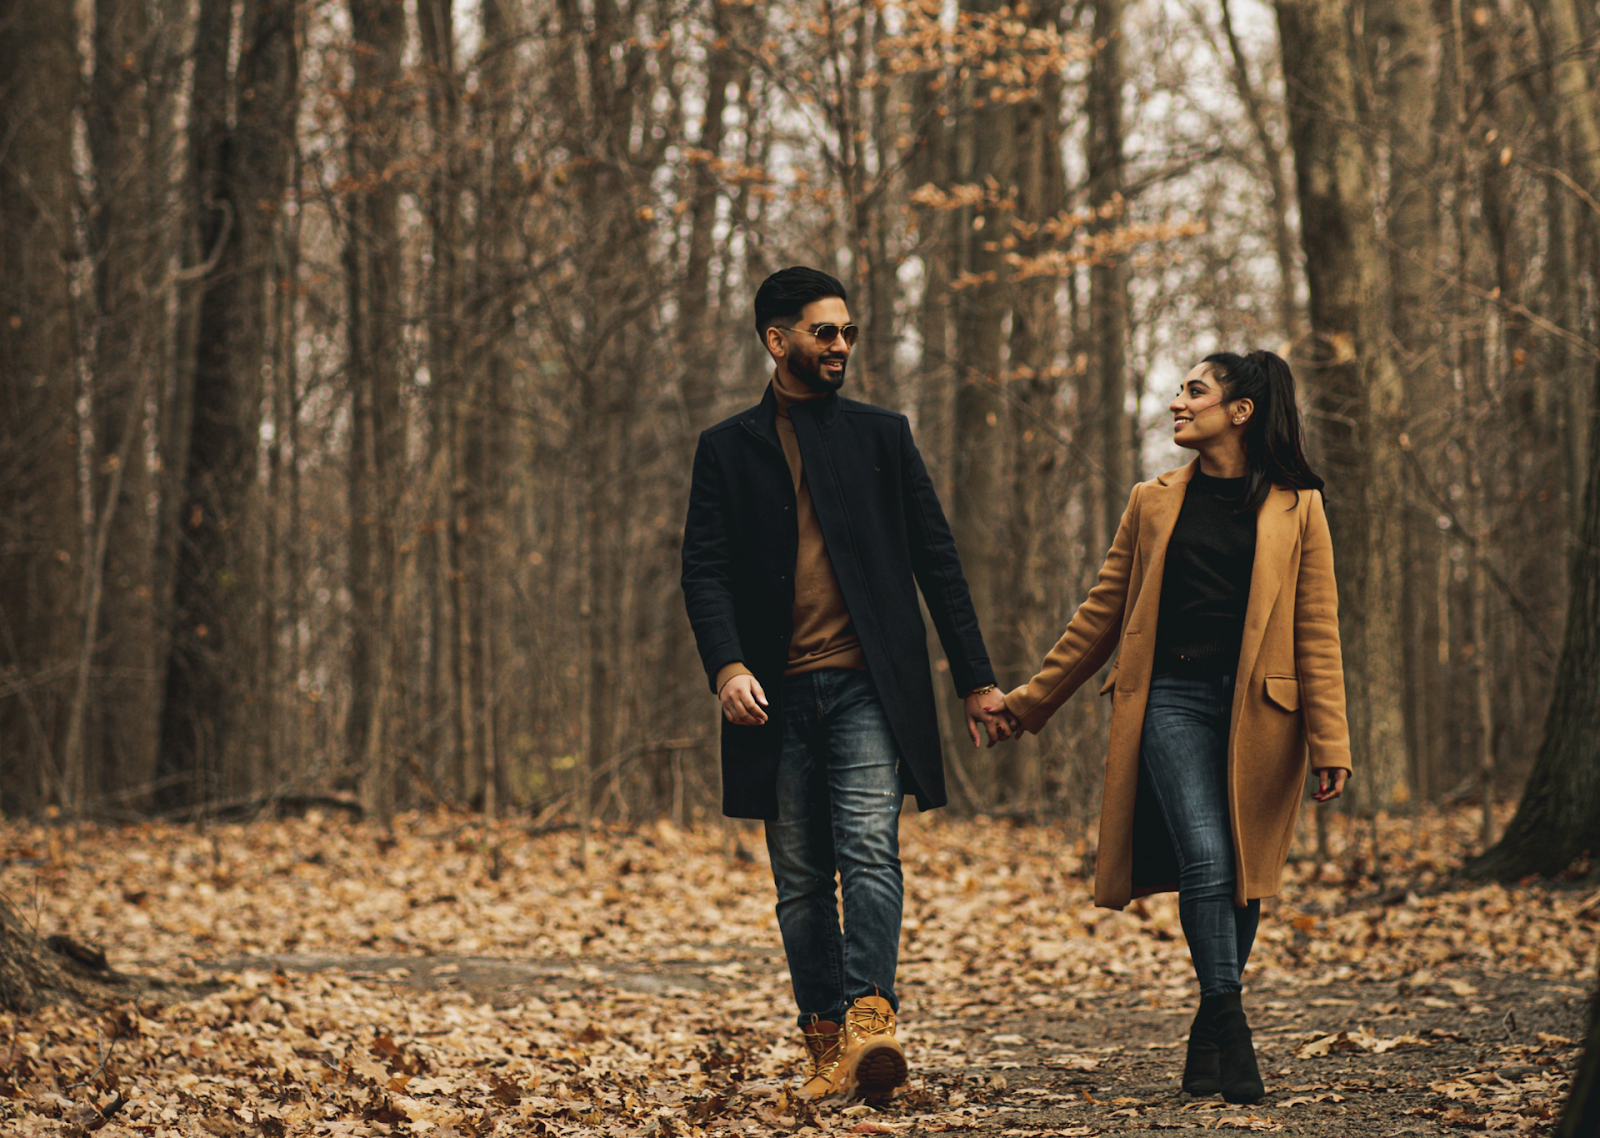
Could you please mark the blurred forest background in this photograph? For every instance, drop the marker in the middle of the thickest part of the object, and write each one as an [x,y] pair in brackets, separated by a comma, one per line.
[353,352]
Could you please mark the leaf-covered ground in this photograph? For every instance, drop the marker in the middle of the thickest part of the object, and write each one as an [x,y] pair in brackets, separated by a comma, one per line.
[451,978]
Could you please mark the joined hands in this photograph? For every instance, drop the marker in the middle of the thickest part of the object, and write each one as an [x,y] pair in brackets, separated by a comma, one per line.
[989,709]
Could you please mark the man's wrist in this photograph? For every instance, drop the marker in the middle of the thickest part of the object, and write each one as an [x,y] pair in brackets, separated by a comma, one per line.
[984,690]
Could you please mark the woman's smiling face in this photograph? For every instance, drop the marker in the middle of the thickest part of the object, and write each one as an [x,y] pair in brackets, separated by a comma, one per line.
[1198,412]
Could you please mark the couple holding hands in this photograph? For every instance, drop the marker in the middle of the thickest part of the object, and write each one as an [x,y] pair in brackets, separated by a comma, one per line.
[812,523]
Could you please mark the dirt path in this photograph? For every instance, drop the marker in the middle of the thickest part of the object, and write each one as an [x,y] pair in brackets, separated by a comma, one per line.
[1480,1052]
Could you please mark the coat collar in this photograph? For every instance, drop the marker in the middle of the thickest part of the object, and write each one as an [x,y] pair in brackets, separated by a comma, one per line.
[762,419]
[1277,529]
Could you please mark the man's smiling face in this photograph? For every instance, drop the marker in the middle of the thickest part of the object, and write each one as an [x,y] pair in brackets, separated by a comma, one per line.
[819,365]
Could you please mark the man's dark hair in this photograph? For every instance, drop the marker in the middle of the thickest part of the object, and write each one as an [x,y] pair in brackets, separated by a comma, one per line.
[783,294]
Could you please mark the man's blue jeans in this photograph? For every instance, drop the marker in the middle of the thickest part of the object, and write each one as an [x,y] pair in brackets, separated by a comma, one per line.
[839,795]
[1183,760]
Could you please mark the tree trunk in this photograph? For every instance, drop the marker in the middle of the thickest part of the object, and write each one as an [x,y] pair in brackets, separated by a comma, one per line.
[119,749]
[448,738]
[30,975]
[987,154]
[1559,815]
[1277,185]
[696,348]
[1357,402]
[1108,280]
[1582,1114]
[1039,553]
[1408,87]
[240,170]
[375,327]
[40,542]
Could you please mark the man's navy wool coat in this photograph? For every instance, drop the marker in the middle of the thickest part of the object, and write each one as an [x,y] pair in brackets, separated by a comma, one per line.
[886,535]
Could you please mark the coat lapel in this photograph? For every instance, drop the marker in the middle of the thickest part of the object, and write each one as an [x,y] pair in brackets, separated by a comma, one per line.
[1157,519]
[1277,527]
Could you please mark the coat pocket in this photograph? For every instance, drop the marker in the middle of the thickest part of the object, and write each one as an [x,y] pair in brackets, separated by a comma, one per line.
[1284,691]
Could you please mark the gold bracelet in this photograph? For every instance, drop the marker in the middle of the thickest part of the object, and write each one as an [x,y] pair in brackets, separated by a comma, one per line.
[985,690]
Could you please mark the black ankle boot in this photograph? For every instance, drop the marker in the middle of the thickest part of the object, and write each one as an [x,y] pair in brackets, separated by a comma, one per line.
[1241,1078]
[1202,1066]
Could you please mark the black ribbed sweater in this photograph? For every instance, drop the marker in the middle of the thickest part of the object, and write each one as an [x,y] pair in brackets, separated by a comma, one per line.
[1205,587]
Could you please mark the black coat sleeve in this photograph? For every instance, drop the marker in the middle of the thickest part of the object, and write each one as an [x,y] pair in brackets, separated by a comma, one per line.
[707,585]
[937,567]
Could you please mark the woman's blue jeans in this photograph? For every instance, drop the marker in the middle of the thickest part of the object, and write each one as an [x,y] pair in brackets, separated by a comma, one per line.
[839,794]
[1183,761]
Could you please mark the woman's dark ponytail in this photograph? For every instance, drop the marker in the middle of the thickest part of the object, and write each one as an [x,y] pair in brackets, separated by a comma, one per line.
[1274,443]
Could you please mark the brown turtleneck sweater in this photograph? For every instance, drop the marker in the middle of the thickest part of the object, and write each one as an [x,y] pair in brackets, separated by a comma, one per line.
[823,635]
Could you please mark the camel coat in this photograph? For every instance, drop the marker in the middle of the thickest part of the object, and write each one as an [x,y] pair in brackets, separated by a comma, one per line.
[1288,707]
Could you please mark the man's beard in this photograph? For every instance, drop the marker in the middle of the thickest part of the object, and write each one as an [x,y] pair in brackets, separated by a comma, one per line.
[813,377]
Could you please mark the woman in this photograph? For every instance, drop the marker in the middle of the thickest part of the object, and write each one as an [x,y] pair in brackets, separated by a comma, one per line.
[1218,599]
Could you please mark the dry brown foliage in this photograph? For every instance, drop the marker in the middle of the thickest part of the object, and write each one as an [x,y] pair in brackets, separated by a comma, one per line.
[453,978]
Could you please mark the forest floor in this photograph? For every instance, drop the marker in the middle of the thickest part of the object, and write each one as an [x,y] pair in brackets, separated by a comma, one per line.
[452,978]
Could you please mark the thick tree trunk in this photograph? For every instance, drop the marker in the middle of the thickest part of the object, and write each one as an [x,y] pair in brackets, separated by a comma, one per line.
[1581,1117]
[987,154]
[1039,552]
[1108,281]
[40,543]
[241,146]
[1408,92]
[120,738]
[375,324]
[1357,386]
[1559,815]
[30,974]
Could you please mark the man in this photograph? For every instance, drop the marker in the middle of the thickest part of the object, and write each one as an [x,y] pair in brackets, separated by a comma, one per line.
[811,523]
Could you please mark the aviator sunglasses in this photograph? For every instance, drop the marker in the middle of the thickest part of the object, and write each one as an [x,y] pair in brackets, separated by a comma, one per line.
[828,333]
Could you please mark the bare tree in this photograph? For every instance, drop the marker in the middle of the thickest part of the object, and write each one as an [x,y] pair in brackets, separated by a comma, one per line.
[1108,284]
[1357,392]
[374,324]
[241,142]
[42,559]
[1558,817]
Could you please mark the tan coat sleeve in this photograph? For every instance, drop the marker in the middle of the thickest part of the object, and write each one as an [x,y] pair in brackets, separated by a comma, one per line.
[1316,644]
[1091,636]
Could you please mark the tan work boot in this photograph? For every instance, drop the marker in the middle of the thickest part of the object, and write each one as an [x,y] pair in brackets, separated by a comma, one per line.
[873,1056]
[825,1043]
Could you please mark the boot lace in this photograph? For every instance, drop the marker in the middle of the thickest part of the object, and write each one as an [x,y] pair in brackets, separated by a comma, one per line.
[826,1054]
[870,1020]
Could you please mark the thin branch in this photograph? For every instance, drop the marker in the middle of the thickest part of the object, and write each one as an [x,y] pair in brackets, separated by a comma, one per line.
[98,1071]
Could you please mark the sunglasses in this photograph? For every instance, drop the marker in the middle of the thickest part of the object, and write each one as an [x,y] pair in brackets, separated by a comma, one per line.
[828,333]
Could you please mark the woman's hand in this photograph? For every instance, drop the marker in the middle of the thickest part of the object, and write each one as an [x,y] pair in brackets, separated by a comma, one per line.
[1331,782]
